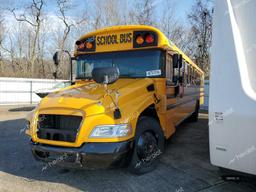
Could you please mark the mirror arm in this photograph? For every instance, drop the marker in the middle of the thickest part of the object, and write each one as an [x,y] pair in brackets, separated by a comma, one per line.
[117,112]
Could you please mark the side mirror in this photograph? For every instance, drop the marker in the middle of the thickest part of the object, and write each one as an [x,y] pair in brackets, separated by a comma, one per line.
[56,58]
[54,75]
[180,61]
[176,90]
[105,75]
[177,61]
[175,79]
[181,79]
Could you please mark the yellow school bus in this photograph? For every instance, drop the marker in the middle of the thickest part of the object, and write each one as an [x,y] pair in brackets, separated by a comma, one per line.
[133,87]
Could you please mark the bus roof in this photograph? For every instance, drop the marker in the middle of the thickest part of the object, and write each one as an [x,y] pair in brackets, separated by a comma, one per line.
[163,41]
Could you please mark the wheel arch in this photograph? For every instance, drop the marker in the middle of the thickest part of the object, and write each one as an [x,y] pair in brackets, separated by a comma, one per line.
[150,111]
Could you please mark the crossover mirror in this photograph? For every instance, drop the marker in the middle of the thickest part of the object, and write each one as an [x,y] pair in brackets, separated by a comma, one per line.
[105,75]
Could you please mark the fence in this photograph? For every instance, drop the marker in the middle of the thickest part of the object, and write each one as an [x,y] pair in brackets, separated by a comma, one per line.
[22,91]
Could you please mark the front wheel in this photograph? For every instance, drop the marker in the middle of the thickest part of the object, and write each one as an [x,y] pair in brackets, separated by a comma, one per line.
[149,144]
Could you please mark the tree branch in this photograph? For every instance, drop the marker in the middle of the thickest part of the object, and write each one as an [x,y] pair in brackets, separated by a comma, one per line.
[22,18]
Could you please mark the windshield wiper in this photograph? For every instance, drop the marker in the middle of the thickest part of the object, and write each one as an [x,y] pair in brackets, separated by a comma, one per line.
[83,78]
[129,75]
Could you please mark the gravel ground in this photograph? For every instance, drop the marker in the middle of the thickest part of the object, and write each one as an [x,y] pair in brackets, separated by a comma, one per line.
[184,166]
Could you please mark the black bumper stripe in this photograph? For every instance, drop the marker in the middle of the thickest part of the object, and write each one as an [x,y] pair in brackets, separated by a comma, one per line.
[169,96]
[169,107]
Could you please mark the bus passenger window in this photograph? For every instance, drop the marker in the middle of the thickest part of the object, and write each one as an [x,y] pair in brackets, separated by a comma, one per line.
[169,67]
[193,77]
[178,75]
[189,75]
[186,75]
[182,74]
[198,79]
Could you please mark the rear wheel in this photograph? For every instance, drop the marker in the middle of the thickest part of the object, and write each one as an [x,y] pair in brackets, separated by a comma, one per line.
[194,116]
[149,144]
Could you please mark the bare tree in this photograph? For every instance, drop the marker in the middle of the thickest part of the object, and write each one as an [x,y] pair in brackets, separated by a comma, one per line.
[1,28]
[14,48]
[168,20]
[33,17]
[63,7]
[170,25]
[201,33]
[144,13]
[107,13]
[1,40]
[11,48]
[26,47]
[112,13]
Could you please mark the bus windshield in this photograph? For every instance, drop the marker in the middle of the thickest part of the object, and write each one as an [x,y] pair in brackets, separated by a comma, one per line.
[132,64]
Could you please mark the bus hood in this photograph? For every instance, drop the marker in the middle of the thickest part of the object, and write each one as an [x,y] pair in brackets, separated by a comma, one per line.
[91,97]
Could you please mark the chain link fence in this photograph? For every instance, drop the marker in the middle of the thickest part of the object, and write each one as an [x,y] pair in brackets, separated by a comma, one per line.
[22,91]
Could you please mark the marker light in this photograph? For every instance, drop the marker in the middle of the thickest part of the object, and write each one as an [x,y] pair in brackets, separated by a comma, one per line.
[149,38]
[139,40]
[88,45]
[81,46]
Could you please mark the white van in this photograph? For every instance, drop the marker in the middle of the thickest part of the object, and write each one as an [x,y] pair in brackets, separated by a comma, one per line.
[232,103]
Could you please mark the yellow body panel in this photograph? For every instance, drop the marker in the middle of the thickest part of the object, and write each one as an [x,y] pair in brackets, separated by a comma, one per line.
[89,99]
[84,101]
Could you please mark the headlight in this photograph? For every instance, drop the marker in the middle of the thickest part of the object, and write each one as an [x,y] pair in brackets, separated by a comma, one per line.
[109,131]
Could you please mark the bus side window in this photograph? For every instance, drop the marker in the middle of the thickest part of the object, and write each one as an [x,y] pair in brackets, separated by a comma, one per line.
[182,74]
[189,74]
[193,77]
[178,75]
[186,74]
[169,68]
[198,79]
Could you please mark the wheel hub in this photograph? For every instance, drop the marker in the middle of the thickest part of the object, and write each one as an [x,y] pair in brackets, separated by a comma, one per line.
[147,146]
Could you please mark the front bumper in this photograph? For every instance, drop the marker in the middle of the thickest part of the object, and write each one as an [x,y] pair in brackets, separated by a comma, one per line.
[88,156]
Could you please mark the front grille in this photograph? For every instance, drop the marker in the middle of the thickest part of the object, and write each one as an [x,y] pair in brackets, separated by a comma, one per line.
[58,127]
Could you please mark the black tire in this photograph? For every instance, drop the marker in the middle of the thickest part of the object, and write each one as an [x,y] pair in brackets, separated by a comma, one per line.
[148,145]
[194,116]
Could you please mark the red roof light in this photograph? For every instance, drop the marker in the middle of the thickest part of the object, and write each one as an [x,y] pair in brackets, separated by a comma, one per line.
[150,39]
